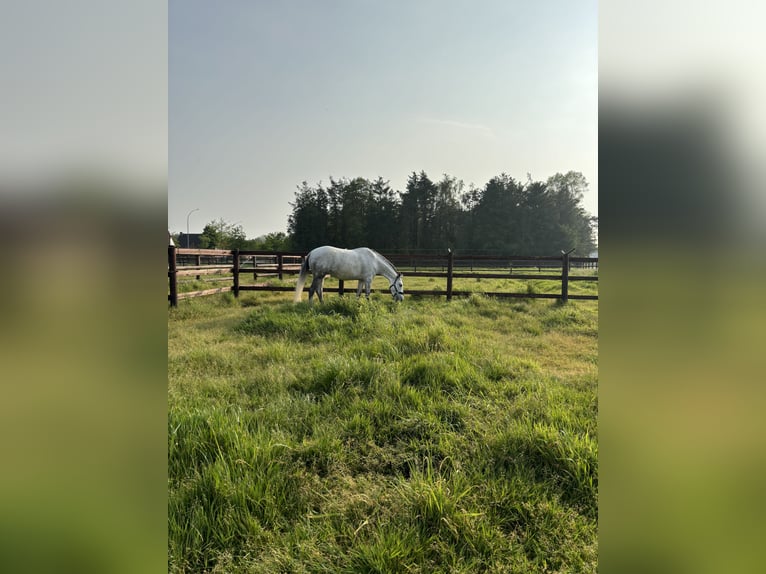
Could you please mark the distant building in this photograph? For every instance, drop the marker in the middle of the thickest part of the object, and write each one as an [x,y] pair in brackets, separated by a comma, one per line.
[193,240]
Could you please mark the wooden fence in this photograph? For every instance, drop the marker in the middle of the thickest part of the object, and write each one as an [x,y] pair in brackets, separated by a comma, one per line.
[198,262]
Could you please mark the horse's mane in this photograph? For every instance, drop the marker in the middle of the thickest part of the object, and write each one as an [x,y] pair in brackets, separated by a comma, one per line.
[386,260]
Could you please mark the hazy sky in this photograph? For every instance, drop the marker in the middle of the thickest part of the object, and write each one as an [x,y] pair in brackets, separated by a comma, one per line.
[265,95]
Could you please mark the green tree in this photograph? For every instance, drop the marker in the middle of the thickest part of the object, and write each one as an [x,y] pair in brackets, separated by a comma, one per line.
[212,235]
[418,211]
[219,234]
[354,196]
[274,241]
[235,237]
[575,226]
[307,225]
[348,213]
[382,216]
[498,216]
[504,216]
[335,213]
[446,212]
[538,224]
[467,230]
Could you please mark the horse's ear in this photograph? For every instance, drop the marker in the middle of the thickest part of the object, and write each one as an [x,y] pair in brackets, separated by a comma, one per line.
[398,275]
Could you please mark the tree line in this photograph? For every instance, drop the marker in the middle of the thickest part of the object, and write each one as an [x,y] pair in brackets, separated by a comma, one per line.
[505,216]
[220,234]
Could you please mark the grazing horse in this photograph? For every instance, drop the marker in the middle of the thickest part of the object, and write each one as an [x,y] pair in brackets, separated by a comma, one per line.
[361,263]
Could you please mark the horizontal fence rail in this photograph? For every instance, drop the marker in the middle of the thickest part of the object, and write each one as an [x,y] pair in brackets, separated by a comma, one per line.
[233,264]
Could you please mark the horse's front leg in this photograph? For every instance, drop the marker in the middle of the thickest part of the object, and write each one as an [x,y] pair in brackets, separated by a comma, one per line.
[359,289]
[367,287]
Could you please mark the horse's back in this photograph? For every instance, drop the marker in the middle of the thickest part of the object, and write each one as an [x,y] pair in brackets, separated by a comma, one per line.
[342,263]
[327,249]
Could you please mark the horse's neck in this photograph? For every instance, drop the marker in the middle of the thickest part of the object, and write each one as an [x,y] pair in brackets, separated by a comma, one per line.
[384,268]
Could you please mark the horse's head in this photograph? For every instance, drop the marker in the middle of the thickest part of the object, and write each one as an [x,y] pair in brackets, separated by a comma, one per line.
[397,288]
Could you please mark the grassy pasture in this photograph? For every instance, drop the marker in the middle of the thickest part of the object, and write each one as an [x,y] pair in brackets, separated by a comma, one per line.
[366,436]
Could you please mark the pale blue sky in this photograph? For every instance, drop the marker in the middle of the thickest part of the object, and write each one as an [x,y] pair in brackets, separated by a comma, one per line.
[264,95]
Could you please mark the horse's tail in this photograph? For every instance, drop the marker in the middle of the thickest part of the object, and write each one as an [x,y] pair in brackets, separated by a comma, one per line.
[301,280]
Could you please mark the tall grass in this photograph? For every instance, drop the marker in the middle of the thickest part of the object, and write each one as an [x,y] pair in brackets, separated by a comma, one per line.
[366,436]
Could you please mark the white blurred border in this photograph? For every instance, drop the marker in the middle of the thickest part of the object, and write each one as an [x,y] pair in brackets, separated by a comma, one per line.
[658,54]
[84,91]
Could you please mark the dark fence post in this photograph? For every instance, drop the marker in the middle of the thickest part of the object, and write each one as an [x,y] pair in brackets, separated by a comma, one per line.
[236,272]
[172,276]
[279,265]
[450,263]
[565,275]
[340,287]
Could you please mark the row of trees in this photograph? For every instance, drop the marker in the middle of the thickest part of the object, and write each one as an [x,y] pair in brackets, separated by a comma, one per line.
[220,234]
[504,216]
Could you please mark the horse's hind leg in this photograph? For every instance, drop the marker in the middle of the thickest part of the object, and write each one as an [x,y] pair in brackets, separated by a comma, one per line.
[359,289]
[314,289]
[321,289]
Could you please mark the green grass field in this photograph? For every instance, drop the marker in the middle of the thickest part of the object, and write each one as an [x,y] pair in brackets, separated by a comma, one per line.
[369,436]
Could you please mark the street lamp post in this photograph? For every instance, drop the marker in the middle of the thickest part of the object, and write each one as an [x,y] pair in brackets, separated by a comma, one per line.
[187,226]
